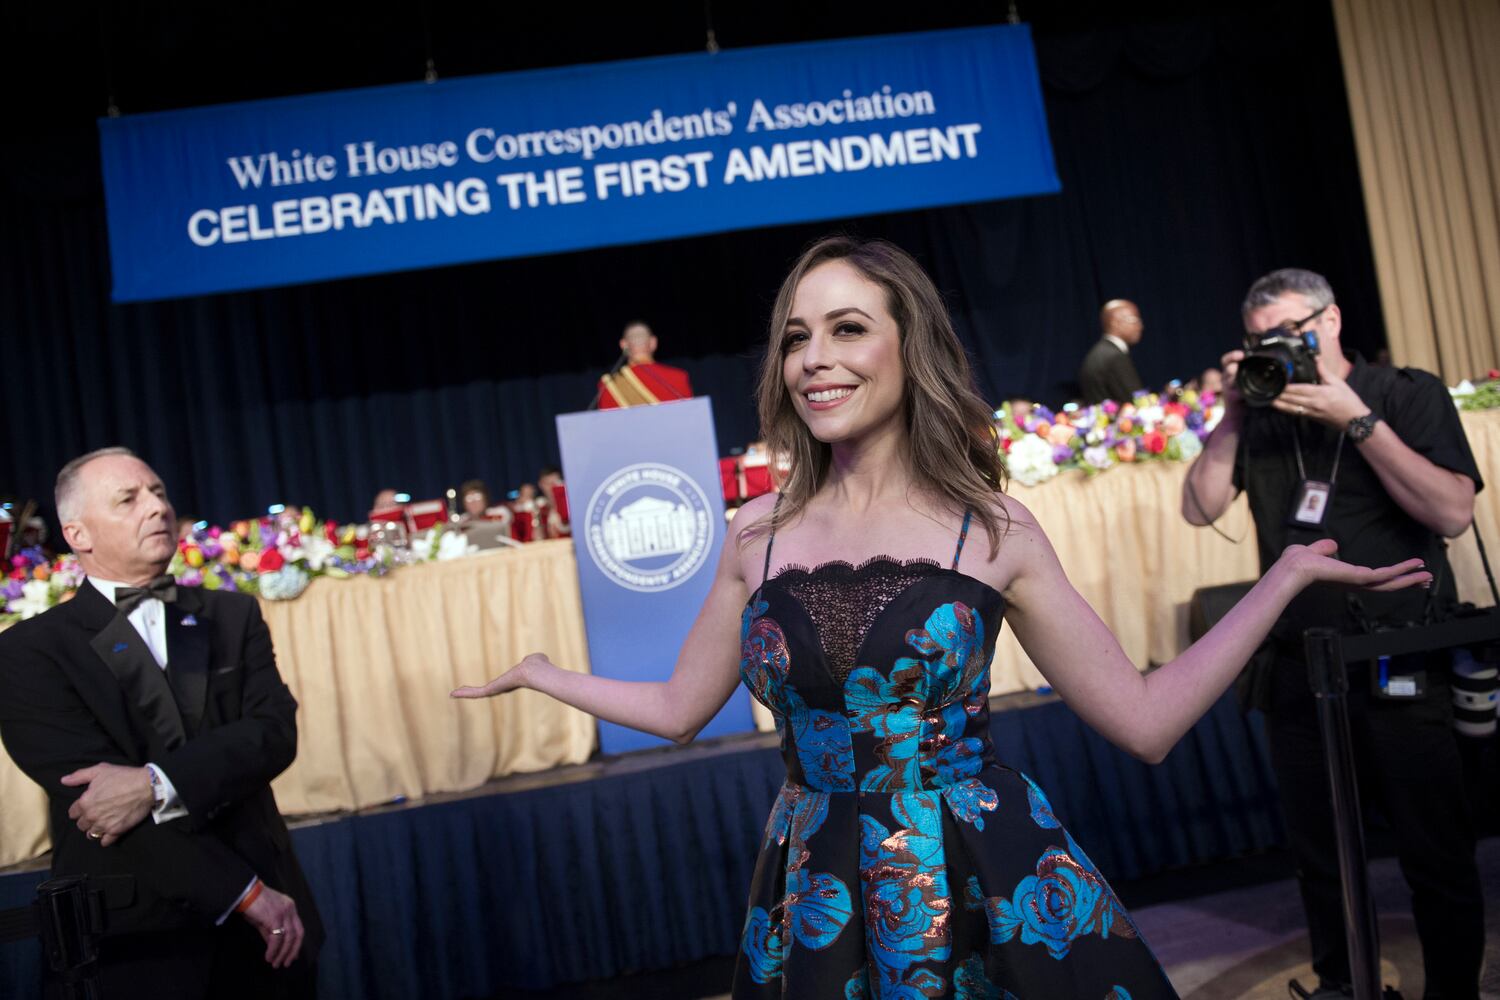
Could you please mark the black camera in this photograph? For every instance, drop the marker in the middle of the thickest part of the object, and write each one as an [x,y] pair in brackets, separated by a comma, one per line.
[1275,361]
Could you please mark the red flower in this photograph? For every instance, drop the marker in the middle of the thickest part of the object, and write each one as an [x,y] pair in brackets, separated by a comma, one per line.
[331,531]
[270,561]
[1177,408]
[1494,373]
[1154,441]
[19,574]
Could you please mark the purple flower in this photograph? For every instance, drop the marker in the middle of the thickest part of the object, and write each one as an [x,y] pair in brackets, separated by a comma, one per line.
[1062,454]
[1042,413]
[191,578]
[12,590]
[1194,420]
[1111,407]
[211,549]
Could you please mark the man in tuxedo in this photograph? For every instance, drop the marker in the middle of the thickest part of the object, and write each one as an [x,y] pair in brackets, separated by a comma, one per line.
[155,719]
[641,381]
[1107,371]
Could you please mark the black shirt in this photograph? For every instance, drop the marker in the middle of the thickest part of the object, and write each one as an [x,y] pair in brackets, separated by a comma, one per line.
[1370,528]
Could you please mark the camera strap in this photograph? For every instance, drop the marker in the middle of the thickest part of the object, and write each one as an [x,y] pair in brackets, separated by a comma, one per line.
[1313,497]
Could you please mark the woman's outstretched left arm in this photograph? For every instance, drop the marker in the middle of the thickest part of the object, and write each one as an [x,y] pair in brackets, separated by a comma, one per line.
[1147,714]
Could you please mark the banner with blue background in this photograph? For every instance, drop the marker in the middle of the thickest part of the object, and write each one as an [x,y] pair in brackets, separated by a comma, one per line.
[417,175]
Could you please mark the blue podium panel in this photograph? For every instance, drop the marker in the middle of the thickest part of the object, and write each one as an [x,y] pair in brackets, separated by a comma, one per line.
[648,521]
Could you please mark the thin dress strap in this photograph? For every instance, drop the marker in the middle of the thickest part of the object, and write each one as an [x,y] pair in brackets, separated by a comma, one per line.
[765,571]
[963,533]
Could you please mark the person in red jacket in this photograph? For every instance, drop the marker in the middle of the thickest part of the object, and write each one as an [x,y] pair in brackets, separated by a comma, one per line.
[641,381]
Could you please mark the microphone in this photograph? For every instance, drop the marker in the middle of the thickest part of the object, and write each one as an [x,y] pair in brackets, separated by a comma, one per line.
[599,392]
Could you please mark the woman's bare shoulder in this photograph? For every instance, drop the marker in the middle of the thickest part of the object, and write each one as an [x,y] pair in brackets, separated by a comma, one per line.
[1018,534]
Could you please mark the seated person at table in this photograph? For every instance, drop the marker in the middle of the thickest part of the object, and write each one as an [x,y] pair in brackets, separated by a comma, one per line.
[475,497]
[384,500]
[642,381]
[154,718]
[550,482]
[1107,371]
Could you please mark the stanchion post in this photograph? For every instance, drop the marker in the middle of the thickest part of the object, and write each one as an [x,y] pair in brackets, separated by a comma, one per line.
[1330,686]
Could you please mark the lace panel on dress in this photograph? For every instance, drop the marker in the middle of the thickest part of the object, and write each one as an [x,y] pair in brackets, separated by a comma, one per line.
[844,601]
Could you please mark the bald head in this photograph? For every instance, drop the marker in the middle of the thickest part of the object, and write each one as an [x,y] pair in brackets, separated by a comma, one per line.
[1120,318]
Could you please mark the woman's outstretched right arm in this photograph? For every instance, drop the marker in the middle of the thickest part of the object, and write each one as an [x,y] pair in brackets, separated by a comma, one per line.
[704,677]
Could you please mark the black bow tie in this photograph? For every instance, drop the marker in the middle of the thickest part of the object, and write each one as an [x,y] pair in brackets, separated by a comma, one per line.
[163,588]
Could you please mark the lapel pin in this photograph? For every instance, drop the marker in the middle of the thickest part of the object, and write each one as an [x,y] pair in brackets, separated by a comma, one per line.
[120,647]
[189,621]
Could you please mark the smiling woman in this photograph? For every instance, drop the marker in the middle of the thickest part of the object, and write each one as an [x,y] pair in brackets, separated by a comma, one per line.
[901,856]
[836,286]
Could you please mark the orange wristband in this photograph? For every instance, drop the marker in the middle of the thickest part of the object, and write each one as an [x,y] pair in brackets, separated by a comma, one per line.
[250,897]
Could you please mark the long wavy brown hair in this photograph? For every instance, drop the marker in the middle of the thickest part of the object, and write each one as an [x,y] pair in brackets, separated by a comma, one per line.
[951,441]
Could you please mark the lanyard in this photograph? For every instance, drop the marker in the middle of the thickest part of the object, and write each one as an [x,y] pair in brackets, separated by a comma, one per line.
[1338,452]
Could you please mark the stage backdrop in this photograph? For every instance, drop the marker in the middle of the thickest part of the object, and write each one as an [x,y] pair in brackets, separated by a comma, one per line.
[359,182]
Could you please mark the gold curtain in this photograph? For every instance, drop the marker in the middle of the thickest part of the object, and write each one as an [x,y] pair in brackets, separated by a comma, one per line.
[1423,78]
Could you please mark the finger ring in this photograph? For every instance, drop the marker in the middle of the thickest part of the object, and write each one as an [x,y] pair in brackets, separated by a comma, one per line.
[278,930]
[95,835]
[1301,410]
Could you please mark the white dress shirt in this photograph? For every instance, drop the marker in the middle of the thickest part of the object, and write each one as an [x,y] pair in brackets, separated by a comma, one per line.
[1124,347]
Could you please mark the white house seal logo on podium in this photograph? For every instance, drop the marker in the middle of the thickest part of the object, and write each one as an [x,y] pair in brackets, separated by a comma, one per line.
[648,527]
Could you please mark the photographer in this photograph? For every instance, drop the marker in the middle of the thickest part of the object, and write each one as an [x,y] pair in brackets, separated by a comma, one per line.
[1376,459]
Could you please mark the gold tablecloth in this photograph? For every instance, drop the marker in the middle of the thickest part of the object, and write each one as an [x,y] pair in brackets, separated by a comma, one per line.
[371,662]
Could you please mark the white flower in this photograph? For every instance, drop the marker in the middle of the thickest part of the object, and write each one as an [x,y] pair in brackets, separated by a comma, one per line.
[1149,416]
[453,545]
[1099,456]
[1213,416]
[36,597]
[421,546]
[1464,388]
[1189,446]
[1030,461]
[316,551]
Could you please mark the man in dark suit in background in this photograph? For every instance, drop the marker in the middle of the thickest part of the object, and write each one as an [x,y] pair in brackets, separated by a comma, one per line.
[1108,372]
[155,719]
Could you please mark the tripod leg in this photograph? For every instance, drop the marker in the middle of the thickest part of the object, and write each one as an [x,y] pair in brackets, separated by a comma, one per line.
[1330,686]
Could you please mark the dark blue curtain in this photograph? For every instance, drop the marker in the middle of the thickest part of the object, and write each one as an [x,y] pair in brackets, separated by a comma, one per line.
[648,866]
[1196,152]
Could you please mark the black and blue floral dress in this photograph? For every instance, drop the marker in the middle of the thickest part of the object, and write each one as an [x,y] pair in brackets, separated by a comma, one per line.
[901,859]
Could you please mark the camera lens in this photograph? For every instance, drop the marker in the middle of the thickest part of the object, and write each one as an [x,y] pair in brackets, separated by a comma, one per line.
[1261,378]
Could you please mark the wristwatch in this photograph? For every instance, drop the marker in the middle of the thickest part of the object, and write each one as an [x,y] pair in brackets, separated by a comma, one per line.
[1361,428]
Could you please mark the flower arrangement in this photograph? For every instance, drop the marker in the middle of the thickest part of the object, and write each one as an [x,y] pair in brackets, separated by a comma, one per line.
[1485,395]
[1039,443]
[275,557]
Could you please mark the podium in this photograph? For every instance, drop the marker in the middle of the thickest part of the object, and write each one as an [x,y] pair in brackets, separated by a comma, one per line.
[648,523]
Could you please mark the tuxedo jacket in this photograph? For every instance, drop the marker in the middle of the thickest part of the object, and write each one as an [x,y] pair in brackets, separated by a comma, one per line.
[1107,373]
[78,686]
